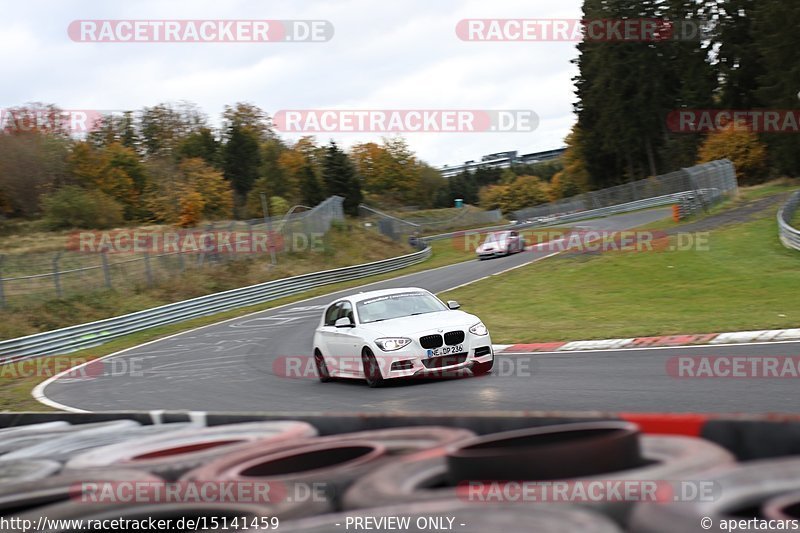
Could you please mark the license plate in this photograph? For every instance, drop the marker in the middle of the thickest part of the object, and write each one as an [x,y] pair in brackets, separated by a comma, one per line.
[445,350]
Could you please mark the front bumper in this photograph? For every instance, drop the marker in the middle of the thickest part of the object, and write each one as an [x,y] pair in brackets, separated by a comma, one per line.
[491,253]
[408,361]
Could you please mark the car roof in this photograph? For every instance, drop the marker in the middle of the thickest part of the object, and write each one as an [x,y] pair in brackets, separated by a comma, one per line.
[358,297]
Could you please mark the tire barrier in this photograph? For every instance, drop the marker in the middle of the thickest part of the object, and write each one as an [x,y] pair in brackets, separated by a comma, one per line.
[785,507]
[426,476]
[64,448]
[59,490]
[751,489]
[425,517]
[27,470]
[420,474]
[547,453]
[332,462]
[174,454]
[24,439]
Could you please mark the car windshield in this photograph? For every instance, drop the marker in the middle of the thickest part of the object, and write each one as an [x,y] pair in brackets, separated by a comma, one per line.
[496,238]
[398,305]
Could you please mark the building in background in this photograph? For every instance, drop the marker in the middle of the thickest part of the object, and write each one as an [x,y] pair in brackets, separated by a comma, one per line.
[501,160]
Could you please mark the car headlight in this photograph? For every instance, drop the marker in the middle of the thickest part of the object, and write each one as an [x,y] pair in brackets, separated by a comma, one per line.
[390,344]
[479,329]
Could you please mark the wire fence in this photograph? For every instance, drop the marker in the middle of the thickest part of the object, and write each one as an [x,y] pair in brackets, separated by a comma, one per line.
[693,189]
[717,178]
[124,258]
[399,229]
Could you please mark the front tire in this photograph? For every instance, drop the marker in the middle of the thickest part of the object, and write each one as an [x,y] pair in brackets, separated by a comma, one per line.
[322,368]
[372,372]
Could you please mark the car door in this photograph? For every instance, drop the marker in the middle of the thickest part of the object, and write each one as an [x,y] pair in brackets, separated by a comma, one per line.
[346,343]
[513,242]
[327,331]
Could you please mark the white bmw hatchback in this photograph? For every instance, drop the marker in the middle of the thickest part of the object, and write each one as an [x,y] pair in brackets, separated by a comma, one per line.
[398,333]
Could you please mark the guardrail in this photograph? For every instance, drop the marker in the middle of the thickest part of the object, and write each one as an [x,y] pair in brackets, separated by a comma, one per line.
[704,196]
[83,336]
[789,235]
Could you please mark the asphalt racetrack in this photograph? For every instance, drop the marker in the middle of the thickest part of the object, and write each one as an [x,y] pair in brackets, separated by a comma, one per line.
[241,365]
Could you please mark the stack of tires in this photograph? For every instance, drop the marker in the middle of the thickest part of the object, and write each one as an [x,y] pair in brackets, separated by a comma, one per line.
[425,478]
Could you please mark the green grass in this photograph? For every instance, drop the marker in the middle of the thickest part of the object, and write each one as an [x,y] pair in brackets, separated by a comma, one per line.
[745,280]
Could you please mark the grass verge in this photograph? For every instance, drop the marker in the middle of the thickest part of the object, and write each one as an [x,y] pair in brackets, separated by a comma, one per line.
[743,279]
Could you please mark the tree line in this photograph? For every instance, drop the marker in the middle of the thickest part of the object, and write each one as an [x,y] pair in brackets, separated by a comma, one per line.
[744,59]
[167,164]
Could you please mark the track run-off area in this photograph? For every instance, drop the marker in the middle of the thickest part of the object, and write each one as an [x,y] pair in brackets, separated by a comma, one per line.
[240,365]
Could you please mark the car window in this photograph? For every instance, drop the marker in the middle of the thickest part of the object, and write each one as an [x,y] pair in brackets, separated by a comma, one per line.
[346,311]
[332,314]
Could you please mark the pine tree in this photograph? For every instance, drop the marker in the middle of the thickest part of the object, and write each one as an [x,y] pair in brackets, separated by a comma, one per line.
[340,178]
[778,41]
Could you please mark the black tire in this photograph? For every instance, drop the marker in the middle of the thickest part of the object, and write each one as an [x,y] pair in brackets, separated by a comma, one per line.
[27,470]
[332,465]
[481,369]
[62,489]
[73,444]
[372,372]
[322,367]
[424,477]
[737,489]
[173,454]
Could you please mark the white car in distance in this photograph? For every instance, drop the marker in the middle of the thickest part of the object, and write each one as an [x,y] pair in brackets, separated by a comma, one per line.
[398,333]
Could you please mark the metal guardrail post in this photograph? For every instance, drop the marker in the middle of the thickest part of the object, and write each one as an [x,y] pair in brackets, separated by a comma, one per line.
[106,269]
[2,288]
[148,271]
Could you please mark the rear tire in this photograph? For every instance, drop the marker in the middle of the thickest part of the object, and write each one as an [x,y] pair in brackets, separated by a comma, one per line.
[322,368]
[372,372]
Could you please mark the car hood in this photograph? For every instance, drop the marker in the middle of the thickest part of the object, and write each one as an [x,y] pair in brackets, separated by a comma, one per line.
[490,247]
[412,325]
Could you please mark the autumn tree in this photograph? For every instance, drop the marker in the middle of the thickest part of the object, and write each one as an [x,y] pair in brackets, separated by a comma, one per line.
[737,143]
[189,193]
[573,178]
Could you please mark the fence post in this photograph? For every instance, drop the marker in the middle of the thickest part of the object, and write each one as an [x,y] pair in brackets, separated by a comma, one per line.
[268,224]
[148,272]
[57,275]
[2,289]
[106,269]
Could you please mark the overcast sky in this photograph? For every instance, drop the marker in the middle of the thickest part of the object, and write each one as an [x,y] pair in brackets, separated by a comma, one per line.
[384,55]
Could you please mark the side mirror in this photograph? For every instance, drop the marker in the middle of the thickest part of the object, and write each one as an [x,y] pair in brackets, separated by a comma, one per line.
[343,322]
[452,304]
